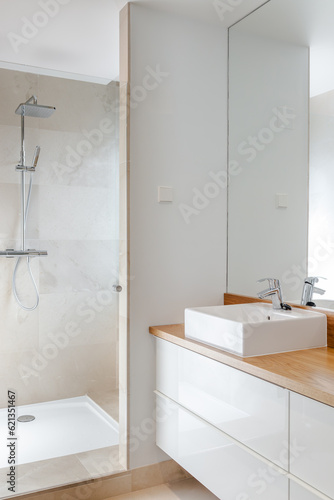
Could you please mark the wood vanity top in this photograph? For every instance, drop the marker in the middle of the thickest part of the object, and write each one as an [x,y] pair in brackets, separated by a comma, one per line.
[309,372]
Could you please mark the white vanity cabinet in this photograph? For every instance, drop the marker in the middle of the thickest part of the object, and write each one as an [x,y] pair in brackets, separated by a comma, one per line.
[219,463]
[312,443]
[242,437]
[225,427]
[250,410]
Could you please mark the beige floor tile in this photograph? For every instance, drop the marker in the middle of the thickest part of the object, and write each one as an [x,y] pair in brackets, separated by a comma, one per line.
[189,489]
[157,474]
[102,462]
[38,476]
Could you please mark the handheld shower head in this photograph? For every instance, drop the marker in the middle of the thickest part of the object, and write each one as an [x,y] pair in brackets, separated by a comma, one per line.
[36,156]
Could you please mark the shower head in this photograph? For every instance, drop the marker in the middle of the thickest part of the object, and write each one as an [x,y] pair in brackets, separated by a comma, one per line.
[31,108]
[35,110]
[36,156]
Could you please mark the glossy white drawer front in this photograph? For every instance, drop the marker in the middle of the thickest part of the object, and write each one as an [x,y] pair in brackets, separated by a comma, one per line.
[298,492]
[312,443]
[247,408]
[226,469]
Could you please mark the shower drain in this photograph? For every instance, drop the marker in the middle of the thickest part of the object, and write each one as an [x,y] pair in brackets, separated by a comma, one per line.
[26,418]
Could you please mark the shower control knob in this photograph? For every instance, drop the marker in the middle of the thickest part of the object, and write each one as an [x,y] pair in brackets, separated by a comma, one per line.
[10,250]
[117,288]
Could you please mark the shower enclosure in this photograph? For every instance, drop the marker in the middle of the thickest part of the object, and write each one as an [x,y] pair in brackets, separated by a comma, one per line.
[60,361]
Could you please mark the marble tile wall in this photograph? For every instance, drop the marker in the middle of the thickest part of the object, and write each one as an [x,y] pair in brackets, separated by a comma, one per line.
[68,346]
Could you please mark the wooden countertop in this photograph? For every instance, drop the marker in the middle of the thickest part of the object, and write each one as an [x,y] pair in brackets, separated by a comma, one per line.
[309,372]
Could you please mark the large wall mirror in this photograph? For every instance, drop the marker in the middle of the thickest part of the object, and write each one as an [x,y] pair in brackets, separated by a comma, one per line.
[281,149]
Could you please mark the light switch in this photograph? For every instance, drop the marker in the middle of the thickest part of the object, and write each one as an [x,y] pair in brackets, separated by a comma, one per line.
[165,194]
[281,201]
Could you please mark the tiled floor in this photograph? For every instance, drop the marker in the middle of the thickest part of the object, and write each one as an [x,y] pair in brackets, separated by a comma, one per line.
[189,489]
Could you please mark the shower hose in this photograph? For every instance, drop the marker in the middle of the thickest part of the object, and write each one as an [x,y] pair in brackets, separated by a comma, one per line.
[32,308]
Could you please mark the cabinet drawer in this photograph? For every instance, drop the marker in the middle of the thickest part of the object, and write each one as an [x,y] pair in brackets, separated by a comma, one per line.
[247,408]
[225,468]
[312,443]
[298,492]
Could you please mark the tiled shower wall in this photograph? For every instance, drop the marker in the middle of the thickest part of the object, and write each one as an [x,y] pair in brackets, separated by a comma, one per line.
[68,346]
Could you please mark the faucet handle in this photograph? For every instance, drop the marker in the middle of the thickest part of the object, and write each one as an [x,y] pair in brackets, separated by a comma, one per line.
[309,289]
[313,280]
[274,291]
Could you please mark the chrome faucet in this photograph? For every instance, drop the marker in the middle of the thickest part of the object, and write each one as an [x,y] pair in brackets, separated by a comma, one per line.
[309,289]
[274,292]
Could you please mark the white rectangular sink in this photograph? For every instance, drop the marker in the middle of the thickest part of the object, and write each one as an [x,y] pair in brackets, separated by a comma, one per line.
[256,329]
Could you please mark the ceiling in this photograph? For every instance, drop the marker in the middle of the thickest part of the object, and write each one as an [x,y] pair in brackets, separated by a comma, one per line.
[80,38]
[303,22]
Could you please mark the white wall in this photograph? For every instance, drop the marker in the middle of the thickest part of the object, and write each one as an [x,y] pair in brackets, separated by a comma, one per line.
[178,136]
[266,77]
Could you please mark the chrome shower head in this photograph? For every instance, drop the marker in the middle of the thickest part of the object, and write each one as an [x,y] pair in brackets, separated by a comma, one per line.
[36,156]
[33,109]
